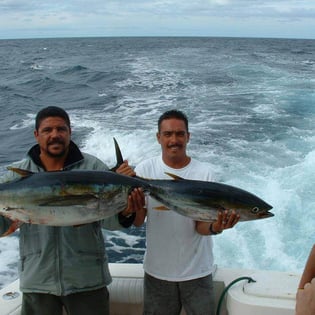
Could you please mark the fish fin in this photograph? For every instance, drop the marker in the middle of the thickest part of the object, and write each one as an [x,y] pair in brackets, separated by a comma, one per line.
[78,225]
[119,157]
[175,177]
[12,228]
[23,173]
[161,208]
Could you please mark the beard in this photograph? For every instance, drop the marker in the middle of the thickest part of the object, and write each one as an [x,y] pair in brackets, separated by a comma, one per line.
[59,153]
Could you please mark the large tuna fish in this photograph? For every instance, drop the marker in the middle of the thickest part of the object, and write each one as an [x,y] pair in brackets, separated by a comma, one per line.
[64,198]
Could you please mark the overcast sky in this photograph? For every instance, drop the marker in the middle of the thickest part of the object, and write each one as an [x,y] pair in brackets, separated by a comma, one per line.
[236,18]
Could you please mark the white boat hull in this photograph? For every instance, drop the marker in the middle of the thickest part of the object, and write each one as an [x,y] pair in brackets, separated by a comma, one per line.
[273,293]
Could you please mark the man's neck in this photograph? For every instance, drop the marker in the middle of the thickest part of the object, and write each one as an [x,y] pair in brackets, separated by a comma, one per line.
[177,163]
[52,163]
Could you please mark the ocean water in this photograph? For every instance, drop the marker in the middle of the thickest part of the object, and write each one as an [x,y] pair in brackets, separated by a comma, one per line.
[251,107]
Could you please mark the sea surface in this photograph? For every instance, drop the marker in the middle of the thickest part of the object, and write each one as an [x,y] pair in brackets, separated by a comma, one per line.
[251,108]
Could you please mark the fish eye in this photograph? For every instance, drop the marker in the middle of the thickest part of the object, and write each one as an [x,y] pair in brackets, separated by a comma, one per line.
[255,210]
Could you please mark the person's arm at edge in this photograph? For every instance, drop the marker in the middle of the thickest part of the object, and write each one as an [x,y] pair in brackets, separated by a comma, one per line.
[305,299]
[309,269]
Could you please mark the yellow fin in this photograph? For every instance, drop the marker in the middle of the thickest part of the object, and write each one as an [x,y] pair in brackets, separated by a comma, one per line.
[161,208]
[23,173]
[175,177]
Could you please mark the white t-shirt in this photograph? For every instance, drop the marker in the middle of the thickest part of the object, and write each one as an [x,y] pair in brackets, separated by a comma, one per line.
[175,251]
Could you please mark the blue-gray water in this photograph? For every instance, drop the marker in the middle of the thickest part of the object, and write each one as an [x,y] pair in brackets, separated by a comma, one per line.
[251,106]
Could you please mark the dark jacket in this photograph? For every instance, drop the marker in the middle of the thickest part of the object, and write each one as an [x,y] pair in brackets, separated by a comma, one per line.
[62,260]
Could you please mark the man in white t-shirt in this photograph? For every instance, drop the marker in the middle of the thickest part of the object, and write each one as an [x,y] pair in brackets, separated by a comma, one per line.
[178,262]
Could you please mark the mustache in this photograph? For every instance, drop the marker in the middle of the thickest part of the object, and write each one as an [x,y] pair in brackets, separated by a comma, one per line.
[175,145]
[56,141]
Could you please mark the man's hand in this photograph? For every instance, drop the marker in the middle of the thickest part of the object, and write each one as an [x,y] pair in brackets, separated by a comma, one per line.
[225,220]
[136,199]
[136,202]
[125,169]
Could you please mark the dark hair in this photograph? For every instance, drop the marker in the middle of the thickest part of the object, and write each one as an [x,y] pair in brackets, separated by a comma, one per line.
[51,111]
[174,113]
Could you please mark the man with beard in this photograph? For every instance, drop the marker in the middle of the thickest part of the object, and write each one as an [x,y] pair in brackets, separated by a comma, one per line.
[65,267]
[178,261]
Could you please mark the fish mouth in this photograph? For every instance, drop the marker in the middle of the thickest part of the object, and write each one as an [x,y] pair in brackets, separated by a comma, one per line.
[266,214]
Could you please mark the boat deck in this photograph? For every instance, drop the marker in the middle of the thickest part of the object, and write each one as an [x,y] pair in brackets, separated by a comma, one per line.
[272,293]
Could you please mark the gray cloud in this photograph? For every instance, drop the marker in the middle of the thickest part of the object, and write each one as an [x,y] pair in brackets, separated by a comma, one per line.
[113,16]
